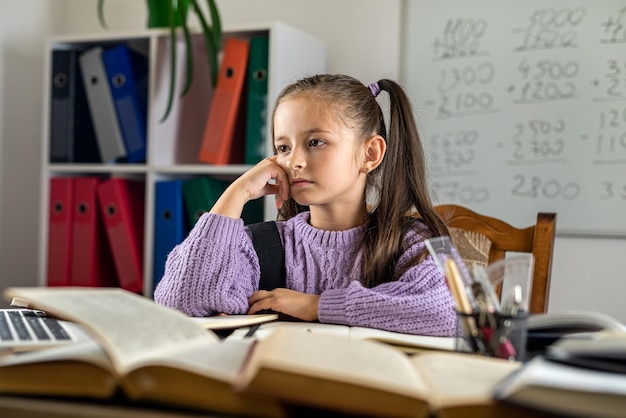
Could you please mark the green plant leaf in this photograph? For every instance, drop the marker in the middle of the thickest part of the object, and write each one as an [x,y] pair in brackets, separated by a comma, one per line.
[216,21]
[176,12]
[210,42]
[101,14]
[170,99]
[188,54]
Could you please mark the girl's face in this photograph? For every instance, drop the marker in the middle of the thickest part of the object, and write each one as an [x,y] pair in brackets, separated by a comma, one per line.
[321,156]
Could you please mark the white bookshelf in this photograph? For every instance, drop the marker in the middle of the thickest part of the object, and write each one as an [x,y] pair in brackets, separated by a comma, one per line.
[172,145]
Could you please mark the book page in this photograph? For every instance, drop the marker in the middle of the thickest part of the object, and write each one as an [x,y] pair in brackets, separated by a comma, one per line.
[265,330]
[88,351]
[338,359]
[574,320]
[565,389]
[359,333]
[605,350]
[233,321]
[201,378]
[461,378]
[221,361]
[80,369]
[405,340]
[129,326]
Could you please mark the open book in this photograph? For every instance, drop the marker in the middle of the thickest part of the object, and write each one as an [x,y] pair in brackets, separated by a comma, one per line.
[574,321]
[220,322]
[583,373]
[560,388]
[547,328]
[405,342]
[147,351]
[603,351]
[369,378]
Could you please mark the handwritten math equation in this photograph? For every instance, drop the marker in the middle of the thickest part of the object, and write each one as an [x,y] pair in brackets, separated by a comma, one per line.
[544,76]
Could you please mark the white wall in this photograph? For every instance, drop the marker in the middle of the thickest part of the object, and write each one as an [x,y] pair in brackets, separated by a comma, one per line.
[23,27]
[589,273]
[363,36]
[363,39]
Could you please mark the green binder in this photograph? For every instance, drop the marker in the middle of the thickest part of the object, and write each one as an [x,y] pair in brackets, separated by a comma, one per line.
[256,112]
[201,193]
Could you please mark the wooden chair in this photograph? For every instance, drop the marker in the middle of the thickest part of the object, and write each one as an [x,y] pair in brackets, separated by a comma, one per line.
[537,239]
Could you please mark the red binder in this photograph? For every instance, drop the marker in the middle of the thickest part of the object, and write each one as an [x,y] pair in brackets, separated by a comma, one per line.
[224,135]
[92,264]
[122,208]
[60,216]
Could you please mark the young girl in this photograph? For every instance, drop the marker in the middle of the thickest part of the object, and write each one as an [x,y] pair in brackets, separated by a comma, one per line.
[344,188]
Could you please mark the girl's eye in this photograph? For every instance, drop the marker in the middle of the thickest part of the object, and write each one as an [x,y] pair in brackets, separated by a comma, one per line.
[281,149]
[316,142]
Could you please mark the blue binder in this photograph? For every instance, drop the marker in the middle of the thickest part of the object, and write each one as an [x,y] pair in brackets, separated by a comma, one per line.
[127,73]
[169,223]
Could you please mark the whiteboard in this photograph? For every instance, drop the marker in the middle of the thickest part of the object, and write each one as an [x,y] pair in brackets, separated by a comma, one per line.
[522,107]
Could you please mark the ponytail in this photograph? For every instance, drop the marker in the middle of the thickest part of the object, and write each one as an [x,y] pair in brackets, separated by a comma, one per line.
[402,191]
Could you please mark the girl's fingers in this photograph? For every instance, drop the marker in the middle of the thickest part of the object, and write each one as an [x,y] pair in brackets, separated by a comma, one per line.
[259,295]
[280,184]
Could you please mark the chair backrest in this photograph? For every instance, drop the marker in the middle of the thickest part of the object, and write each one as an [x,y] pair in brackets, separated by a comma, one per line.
[537,239]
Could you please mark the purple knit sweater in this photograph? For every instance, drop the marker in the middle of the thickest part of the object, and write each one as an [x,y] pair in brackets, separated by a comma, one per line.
[215,269]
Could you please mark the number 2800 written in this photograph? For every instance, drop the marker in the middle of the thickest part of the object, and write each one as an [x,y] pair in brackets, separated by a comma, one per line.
[535,187]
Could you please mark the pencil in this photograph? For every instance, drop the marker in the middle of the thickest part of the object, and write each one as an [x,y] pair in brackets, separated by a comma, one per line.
[463,305]
[457,287]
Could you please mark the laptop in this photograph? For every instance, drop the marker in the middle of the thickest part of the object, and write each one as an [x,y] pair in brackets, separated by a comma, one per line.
[31,329]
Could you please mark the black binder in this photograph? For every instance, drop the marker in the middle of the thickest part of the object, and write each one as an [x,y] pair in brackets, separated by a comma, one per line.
[72,137]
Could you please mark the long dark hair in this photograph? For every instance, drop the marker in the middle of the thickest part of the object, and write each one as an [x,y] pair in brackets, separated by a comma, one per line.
[399,183]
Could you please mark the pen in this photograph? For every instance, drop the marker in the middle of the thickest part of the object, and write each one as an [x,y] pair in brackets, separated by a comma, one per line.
[251,331]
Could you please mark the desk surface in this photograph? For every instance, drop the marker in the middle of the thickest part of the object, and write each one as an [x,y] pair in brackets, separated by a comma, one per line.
[41,407]
[27,407]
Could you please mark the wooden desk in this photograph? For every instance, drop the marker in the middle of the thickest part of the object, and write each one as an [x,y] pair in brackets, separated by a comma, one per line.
[39,407]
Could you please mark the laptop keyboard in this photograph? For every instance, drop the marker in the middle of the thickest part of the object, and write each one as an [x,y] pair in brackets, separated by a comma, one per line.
[29,325]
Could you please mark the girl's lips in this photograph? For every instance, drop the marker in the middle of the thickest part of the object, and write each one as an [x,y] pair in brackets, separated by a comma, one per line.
[300,183]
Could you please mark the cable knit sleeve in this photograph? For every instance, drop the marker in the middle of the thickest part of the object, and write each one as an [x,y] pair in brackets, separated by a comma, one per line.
[214,270]
[419,302]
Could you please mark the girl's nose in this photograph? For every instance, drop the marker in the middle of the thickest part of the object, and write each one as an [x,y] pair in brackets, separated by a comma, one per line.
[296,159]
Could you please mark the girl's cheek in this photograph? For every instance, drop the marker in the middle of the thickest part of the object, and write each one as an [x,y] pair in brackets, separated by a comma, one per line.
[282,162]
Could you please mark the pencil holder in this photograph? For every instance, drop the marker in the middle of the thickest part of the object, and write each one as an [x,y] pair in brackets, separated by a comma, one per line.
[493,334]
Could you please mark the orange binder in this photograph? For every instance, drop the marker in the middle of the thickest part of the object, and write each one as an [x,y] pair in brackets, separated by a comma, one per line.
[122,207]
[60,225]
[224,134]
[92,264]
